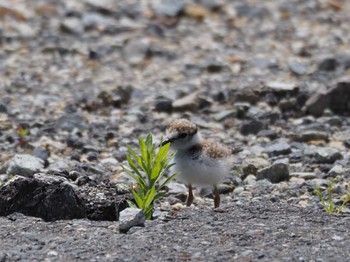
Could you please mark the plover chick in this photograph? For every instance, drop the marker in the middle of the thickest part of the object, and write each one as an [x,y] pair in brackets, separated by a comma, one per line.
[197,161]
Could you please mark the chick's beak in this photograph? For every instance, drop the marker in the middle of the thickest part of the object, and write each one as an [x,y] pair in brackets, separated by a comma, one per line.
[167,140]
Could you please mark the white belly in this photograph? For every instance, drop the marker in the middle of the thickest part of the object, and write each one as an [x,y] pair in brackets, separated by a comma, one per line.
[201,170]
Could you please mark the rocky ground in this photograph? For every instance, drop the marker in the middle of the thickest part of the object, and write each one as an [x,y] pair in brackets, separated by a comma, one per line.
[81,79]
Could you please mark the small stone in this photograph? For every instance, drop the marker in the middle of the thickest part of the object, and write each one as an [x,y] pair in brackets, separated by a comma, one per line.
[336,171]
[163,105]
[251,165]
[271,134]
[328,64]
[131,217]
[315,183]
[298,68]
[275,173]
[250,180]
[24,165]
[238,190]
[303,175]
[72,25]
[282,87]
[71,121]
[342,136]
[278,148]
[251,127]
[43,154]
[168,7]
[316,104]
[220,116]
[323,154]
[339,97]
[176,188]
[92,156]
[196,11]
[187,103]
[309,135]
[214,67]
[135,50]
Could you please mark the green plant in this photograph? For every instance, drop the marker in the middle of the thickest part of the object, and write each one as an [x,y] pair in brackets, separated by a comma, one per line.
[327,199]
[149,170]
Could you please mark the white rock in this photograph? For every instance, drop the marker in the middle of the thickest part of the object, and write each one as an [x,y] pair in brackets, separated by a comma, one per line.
[131,217]
[24,165]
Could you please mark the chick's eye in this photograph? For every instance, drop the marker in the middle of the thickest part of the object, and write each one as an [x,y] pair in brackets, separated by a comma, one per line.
[182,135]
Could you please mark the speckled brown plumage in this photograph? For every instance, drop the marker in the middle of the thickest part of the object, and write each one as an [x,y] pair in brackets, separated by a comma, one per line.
[182,125]
[211,149]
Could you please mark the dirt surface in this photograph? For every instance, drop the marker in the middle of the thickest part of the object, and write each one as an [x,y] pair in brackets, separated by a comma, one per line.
[252,231]
[79,80]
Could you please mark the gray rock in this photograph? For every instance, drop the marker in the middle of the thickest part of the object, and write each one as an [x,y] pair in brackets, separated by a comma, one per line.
[163,105]
[342,136]
[278,148]
[48,197]
[72,25]
[271,134]
[315,183]
[131,217]
[336,171]
[282,87]
[336,99]
[135,50]
[251,165]
[168,7]
[220,116]
[24,165]
[322,154]
[309,135]
[70,121]
[250,180]
[328,64]
[187,103]
[316,104]
[176,188]
[303,175]
[339,97]
[298,68]
[251,127]
[275,173]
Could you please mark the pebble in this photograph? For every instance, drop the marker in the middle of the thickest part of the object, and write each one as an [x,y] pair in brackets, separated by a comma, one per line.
[131,217]
[303,175]
[251,127]
[274,173]
[186,103]
[323,154]
[328,64]
[278,148]
[251,165]
[309,135]
[336,171]
[24,165]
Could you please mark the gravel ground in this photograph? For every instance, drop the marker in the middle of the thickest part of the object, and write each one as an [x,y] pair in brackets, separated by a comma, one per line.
[250,231]
[79,80]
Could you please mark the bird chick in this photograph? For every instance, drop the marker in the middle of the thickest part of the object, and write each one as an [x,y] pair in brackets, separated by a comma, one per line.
[198,161]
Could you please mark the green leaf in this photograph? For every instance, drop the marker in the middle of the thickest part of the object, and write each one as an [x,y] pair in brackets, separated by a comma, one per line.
[150,196]
[148,212]
[138,200]
[132,152]
[143,149]
[132,165]
[162,153]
